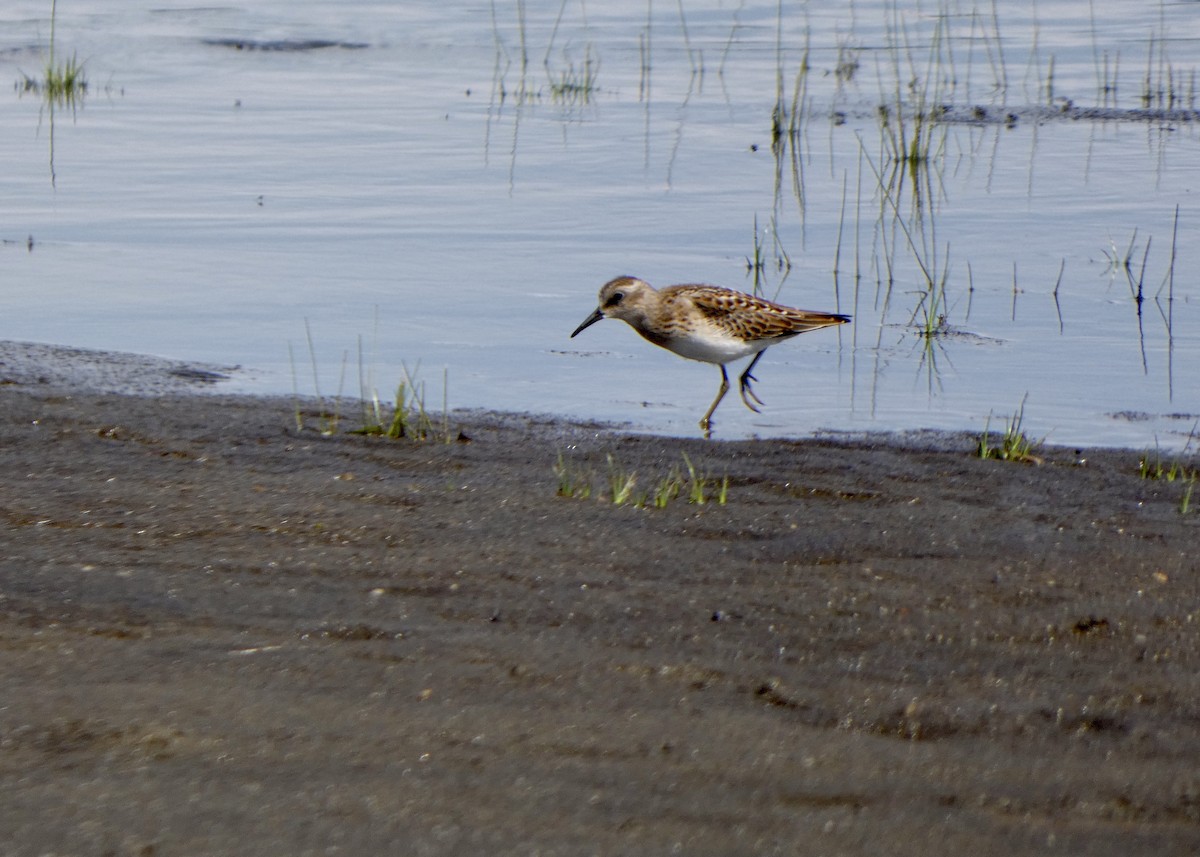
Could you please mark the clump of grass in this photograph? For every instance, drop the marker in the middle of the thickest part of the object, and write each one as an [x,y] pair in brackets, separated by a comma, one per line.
[63,82]
[409,418]
[668,488]
[621,483]
[62,85]
[911,129]
[702,488]
[1173,471]
[572,482]
[1153,467]
[1014,444]
[912,137]
[406,417]
[912,132]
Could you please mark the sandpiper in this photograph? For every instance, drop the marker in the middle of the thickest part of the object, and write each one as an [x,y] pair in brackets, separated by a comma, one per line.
[707,323]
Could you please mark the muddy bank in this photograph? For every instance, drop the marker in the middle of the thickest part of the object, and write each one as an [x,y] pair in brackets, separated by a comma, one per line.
[225,636]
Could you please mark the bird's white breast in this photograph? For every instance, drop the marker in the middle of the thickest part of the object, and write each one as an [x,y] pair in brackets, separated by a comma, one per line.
[710,345]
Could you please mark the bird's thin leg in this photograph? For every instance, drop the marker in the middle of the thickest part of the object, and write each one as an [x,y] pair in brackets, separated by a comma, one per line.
[706,420]
[745,385]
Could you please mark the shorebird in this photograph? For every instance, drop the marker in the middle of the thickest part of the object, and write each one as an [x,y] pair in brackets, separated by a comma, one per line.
[707,323]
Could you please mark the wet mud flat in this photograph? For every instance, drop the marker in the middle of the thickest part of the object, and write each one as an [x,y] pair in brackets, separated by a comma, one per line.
[220,635]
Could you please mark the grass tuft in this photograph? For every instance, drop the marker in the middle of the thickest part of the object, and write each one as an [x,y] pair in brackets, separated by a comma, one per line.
[1153,467]
[409,417]
[572,482]
[621,482]
[1014,444]
[668,488]
[406,417]
[702,488]
[63,83]
[1174,471]
[620,486]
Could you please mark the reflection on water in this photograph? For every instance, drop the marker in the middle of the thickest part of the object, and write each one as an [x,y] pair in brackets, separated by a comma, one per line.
[997,195]
[62,84]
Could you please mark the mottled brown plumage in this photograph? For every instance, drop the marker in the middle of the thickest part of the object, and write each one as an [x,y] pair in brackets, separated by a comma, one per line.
[707,323]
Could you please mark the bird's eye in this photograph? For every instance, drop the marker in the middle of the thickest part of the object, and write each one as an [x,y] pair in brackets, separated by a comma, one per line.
[616,298]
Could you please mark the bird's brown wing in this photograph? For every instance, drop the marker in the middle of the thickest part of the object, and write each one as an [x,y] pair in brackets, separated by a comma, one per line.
[751,317]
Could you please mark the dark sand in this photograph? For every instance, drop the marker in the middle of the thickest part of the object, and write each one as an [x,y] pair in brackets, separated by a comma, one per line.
[224,637]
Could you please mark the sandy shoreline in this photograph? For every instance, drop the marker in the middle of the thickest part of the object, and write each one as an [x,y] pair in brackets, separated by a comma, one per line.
[224,636]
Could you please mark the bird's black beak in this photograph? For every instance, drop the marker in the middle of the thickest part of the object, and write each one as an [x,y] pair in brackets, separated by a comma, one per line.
[588,322]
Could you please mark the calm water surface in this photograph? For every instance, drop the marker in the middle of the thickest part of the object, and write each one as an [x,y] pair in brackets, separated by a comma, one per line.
[396,177]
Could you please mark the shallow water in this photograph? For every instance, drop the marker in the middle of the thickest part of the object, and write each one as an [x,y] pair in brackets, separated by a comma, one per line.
[388,175]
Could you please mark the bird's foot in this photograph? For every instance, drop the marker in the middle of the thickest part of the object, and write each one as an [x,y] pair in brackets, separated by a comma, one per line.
[748,393]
